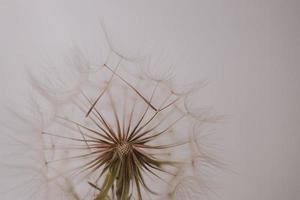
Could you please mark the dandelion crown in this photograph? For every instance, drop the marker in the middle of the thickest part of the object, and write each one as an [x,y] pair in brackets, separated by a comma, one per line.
[124,133]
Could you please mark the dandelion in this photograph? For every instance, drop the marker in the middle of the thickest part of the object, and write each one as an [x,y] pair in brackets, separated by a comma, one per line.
[121,136]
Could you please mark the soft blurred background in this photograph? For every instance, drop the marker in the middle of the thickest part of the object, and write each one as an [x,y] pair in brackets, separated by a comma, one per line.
[248,53]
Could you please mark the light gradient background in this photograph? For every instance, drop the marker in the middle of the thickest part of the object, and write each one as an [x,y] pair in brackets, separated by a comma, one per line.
[247,50]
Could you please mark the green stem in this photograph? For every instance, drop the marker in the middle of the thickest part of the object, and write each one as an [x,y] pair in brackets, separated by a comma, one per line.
[108,182]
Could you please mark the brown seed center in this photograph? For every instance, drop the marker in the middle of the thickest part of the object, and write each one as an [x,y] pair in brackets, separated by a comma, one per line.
[123,149]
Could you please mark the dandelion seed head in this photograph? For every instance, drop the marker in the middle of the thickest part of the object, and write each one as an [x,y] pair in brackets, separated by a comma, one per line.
[122,135]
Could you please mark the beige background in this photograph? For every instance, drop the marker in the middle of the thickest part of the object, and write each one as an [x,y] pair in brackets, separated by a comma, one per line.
[247,51]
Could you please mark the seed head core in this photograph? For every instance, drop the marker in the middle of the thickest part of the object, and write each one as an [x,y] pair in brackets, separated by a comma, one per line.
[123,149]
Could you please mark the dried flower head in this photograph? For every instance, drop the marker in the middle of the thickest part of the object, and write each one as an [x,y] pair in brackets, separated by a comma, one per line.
[120,135]
[131,138]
